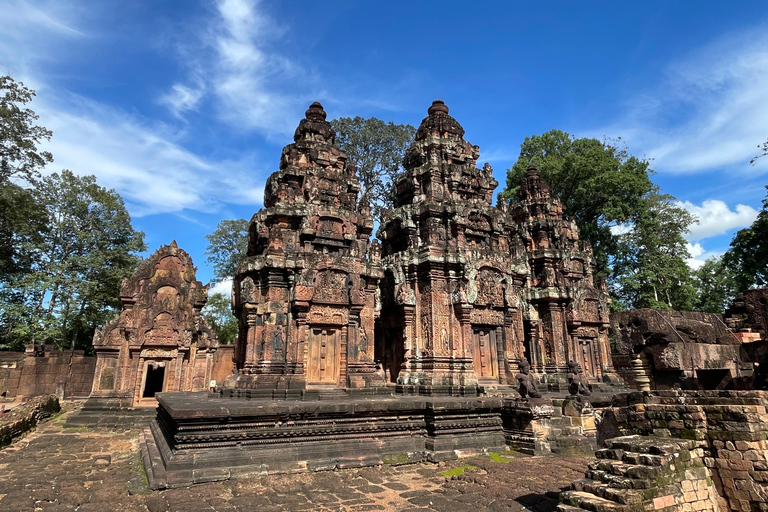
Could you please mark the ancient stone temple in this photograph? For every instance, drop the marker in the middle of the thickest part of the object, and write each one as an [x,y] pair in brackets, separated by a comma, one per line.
[470,289]
[451,304]
[452,301]
[160,341]
[305,294]
[567,316]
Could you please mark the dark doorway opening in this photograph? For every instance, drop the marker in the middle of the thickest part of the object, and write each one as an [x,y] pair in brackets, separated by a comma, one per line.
[154,382]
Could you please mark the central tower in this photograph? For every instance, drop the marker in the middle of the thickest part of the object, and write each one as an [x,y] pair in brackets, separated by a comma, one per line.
[452,307]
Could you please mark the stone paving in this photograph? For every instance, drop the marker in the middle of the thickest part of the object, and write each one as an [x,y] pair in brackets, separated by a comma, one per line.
[57,469]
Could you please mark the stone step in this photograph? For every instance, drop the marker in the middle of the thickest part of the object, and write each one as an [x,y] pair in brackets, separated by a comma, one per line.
[604,490]
[624,469]
[562,507]
[589,501]
[615,481]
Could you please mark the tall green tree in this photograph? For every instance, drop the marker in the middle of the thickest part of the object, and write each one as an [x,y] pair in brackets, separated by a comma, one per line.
[748,256]
[80,260]
[377,149]
[218,313]
[715,286]
[20,161]
[19,134]
[600,185]
[650,271]
[227,245]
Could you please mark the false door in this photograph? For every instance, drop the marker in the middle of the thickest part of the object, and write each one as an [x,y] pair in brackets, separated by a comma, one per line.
[484,350]
[323,356]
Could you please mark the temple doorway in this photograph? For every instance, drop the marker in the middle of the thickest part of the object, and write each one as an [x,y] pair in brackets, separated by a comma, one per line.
[484,349]
[153,382]
[323,356]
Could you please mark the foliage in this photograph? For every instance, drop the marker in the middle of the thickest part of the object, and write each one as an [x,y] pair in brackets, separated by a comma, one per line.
[227,245]
[19,135]
[599,184]
[77,264]
[218,313]
[377,149]
[748,256]
[763,152]
[22,222]
[650,270]
[715,286]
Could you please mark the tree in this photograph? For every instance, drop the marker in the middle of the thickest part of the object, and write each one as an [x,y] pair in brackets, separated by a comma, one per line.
[763,152]
[715,286]
[748,256]
[599,184]
[650,271]
[19,135]
[377,149]
[78,264]
[218,314]
[227,245]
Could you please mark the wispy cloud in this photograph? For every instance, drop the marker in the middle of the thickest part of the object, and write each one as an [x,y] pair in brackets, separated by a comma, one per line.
[142,161]
[708,111]
[255,86]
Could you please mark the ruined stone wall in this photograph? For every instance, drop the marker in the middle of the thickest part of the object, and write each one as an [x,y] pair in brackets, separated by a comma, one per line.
[679,349]
[44,370]
[729,430]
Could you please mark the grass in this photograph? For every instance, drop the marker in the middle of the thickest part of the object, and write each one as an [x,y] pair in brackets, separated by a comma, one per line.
[458,471]
[497,457]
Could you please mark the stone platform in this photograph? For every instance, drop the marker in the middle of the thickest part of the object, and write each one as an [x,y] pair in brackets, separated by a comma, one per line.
[201,437]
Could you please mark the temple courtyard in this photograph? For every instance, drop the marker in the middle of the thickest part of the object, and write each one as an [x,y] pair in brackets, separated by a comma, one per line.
[60,468]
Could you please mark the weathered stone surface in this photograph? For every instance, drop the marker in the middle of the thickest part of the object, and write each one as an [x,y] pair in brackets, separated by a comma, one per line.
[681,349]
[470,289]
[749,313]
[305,295]
[160,341]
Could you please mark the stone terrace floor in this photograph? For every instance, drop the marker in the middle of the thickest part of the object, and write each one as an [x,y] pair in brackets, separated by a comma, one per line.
[57,469]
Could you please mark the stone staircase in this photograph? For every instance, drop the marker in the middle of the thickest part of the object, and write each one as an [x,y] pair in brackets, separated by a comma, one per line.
[641,473]
[112,413]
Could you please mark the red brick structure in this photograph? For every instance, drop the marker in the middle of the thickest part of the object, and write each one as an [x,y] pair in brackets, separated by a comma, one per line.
[305,293]
[160,341]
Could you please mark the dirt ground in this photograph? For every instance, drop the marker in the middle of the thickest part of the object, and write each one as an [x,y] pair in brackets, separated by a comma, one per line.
[55,469]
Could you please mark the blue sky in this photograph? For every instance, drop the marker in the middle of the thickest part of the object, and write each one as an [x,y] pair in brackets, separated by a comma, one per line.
[183,107]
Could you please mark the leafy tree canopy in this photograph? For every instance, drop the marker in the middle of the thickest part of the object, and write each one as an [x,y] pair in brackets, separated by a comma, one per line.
[748,256]
[218,314]
[377,149]
[227,245]
[650,269]
[715,286]
[19,135]
[599,184]
[77,264]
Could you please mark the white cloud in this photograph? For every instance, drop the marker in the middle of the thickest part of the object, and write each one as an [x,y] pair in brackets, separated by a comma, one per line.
[257,88]
[183,98]
[707,112]
[141,161]
[223,287]
[716,218]
[699,255]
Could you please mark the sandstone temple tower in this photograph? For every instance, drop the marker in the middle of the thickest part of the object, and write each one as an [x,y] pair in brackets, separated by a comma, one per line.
[452,312]
[568,316]
[305,294]
[160,341]
[470,289]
